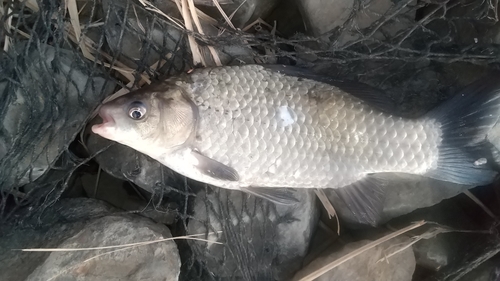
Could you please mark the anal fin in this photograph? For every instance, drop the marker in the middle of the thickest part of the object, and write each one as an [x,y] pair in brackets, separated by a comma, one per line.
[282,196]
[364,199]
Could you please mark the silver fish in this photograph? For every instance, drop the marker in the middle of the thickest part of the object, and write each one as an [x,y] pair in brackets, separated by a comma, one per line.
[255,128]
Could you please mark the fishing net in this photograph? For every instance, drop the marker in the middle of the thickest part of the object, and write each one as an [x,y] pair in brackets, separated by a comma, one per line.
[61,59]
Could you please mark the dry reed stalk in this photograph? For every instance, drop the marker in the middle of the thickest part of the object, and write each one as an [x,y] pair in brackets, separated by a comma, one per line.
[328,206]
[214,54]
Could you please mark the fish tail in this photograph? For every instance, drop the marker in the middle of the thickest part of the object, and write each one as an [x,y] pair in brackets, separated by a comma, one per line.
[465,154]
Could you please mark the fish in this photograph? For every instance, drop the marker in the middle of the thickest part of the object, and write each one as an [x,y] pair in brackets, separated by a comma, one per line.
[270,129]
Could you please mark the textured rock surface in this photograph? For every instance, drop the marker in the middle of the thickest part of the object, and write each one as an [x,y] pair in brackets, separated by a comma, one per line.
[245,11]
[346,17]
[137,36]
[488,271]
[142,41]
[262,242]
[371,265]
[37,128]
[82,223]
[324,15]
[440,251]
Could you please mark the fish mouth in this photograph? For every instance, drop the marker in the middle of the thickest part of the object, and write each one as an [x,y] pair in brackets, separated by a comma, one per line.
[107,122]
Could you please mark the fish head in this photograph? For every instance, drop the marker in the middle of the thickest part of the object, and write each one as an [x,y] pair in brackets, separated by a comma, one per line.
[153,119]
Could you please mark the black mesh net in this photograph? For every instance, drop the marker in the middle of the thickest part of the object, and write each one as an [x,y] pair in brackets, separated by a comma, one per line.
[61,59]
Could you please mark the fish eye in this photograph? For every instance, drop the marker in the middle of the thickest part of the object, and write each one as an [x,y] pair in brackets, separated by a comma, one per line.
[137,110]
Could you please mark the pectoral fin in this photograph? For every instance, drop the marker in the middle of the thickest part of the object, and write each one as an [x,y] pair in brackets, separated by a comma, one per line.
[214,169]
[364,199]
[282,196]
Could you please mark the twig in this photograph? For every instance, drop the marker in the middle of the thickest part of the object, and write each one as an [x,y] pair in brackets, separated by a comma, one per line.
[216,3]
[478,202]
[328,206]
[75,22]
[189,237]
[8,25]
[97,181]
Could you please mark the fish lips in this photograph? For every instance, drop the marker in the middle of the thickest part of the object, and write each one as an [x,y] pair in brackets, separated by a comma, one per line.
[108,123]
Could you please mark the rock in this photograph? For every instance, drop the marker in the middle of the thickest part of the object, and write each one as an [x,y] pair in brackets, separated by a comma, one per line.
[372,264]
[439,251]
[262,241]
[48,97]
[436,252]
[488,271]
[121,195]
[288,19]
[139,39]
[81,223]
[245,11]
[474,252]
[322,17]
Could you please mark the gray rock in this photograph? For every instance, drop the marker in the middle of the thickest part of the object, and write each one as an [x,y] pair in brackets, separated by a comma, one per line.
[261,240]
[80,223]
[373,264]
[45,110]
[121,195]
[325,16]
[245,11]
[436,252]
[487,271]
[442,250]
[136,36]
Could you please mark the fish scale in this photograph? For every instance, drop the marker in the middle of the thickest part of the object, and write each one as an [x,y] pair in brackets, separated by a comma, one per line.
[334,139]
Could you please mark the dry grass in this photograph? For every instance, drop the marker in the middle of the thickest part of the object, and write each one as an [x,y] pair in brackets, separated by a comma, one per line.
[75,22]
[481,205]
[117,248]
[328,206]
[196,20]
[226,18]
[8,25]
[137,244]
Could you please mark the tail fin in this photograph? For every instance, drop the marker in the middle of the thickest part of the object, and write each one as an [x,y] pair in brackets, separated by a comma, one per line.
[465,156]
